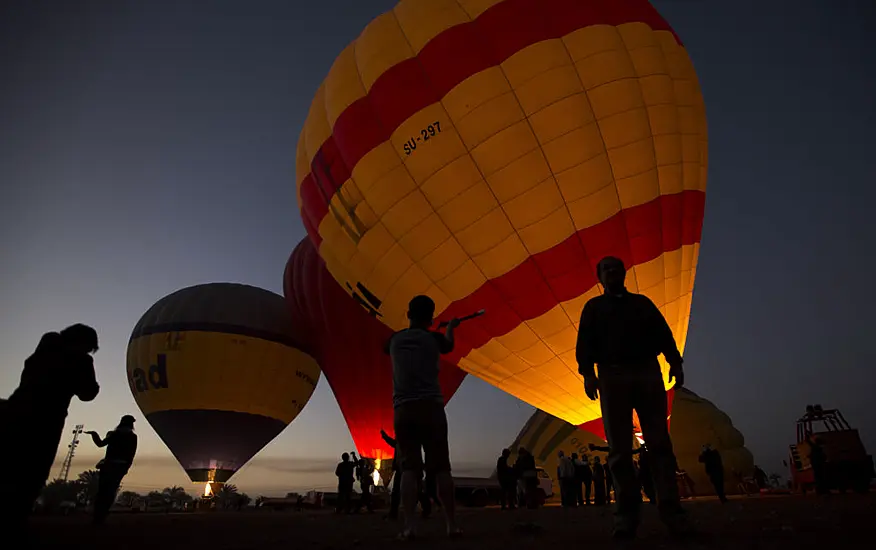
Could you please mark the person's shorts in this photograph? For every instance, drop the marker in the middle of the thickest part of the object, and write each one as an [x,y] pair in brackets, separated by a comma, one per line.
[421,427]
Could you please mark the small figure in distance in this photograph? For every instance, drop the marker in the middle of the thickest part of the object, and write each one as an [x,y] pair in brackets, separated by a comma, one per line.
[365,474]
[33,418]
[346,473]
[527,475]
[121,446]
[420,421]
[711,460]
[623,333]
[507,481]
[585,479]
[566,477]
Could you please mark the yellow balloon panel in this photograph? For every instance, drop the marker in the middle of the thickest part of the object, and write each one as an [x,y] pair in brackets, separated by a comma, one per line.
[194,370]
[495,151]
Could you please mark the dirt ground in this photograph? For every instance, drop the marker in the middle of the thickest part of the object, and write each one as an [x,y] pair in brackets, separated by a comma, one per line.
[839,521]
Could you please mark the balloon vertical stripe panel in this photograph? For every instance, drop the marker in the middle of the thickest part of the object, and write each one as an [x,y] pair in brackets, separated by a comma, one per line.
[489,154]
[217,372]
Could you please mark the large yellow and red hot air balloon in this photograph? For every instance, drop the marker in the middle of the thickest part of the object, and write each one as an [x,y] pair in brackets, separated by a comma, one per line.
[488,153]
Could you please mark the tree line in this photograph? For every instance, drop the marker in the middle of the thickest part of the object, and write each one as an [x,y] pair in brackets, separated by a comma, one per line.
[63,496]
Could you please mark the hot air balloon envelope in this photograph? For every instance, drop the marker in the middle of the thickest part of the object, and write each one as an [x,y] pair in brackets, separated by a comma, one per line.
[216,370]
[489,153]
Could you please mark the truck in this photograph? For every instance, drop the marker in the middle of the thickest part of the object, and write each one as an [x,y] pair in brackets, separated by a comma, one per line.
[480,492]
[848,466]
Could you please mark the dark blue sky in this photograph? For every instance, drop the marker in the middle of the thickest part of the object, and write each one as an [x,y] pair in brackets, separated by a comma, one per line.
[148,146]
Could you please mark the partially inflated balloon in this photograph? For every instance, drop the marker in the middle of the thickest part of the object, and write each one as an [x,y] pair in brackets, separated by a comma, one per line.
[349,343]
[218,374]
[695,422]
[489,153]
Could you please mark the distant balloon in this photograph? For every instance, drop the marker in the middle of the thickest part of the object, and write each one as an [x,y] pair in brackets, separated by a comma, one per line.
[695,422]
[489,153]
[348,344]
[217,372]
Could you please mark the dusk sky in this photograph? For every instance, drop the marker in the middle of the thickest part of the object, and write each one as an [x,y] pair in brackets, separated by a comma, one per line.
[149,146]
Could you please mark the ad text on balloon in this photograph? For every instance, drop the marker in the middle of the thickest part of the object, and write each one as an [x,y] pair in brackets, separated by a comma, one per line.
[155,378]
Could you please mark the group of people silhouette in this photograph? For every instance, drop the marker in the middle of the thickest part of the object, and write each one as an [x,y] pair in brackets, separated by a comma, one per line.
[349,470]
[33,419]
[620,333]
[579,479]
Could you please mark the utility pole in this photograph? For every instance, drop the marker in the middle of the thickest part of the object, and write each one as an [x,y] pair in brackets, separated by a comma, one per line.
[65,467]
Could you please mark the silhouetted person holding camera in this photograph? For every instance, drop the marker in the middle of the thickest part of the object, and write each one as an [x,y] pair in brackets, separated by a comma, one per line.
[420,421]
[121,446]
[33,419]
[622,334]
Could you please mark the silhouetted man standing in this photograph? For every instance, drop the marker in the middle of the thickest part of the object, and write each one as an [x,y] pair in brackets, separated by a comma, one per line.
[566,477]
[420,421]
[622,334]
[345,473]
[33,420]
[121,446]
[507,481]
[365,473]
[586,474]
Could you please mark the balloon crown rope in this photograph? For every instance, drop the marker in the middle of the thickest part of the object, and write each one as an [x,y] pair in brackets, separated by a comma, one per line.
[443,324]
